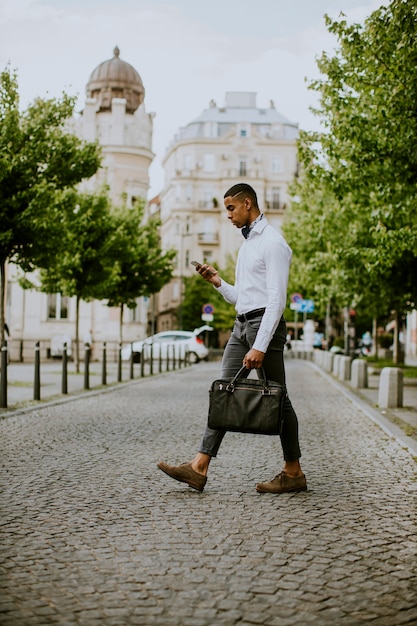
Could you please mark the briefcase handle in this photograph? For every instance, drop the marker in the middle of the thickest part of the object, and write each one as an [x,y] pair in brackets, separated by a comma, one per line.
[231,385]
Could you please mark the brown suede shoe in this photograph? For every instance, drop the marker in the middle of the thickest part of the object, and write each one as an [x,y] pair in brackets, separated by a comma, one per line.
[185,474]
[283,483]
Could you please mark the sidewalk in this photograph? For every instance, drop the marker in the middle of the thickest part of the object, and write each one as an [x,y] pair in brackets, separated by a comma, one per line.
[396,421]
[94,535]
[20,377]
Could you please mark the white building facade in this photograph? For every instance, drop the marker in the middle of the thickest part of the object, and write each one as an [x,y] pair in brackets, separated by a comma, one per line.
[237,142]
[115,116]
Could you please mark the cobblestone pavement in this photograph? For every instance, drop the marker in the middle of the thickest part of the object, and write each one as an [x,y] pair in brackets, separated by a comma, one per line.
[93,534]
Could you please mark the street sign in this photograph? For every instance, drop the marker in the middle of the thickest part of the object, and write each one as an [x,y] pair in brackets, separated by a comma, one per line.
[306,306]
[207,317]
[208,309]
[302,306]
[296,297]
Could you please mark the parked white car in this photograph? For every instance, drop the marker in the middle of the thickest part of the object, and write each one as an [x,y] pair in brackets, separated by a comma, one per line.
[185,343]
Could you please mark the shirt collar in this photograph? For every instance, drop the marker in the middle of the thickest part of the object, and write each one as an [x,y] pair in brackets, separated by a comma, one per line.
[246,229]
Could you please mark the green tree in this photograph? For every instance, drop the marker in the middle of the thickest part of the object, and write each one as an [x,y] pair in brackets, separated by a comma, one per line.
[83,263]
[38,159]
[140,266]
[357,192]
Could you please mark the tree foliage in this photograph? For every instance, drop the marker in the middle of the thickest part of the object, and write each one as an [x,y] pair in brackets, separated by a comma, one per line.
[140,266]
[38,159]
[352,224]
[105,253]
[81,263]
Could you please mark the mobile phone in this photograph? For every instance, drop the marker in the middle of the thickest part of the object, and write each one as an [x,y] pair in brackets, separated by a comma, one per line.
[196,263]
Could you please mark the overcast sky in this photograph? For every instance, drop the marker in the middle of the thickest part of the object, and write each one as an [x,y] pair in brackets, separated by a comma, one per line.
[187,52]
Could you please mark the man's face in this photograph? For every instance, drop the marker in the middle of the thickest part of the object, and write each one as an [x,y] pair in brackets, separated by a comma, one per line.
[237,208]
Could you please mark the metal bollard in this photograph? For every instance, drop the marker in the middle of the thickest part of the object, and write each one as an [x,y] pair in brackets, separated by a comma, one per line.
[142,361]
[131,360]
[151,363]
[167,367]
[64,383]
[119,364]
[3,379]
[104,366]
[87,366]
[37,381]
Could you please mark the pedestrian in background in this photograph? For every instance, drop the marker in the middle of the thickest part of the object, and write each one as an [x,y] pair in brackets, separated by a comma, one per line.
[258,337]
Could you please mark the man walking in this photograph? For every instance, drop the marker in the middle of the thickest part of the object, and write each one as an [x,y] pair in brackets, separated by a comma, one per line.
[258,337]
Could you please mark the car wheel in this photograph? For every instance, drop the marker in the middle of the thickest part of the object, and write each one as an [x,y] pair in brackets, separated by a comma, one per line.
[192,357]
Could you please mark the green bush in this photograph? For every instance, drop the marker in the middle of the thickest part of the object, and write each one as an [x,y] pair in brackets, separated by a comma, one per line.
[339,342]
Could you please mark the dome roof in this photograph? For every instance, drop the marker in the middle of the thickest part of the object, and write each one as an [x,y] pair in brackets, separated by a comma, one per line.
[116,79]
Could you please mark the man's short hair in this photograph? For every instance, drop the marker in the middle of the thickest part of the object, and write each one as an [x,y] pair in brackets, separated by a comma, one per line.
[243,190]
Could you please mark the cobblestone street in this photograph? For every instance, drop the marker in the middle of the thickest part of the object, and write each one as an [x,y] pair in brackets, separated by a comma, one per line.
[94,534]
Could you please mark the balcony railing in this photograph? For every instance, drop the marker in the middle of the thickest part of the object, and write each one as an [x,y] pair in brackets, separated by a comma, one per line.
[207,204]
[275,205]
[208,238]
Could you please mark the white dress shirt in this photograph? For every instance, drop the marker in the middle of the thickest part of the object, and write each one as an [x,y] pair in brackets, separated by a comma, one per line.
[262,270]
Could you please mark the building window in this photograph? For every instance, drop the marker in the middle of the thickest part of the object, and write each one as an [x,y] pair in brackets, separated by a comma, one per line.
[275,198]
[210,129]
[208,256]
[243,130]
[277,164]
[187,161]
[133,314]
[208,195]
[242,167]
[175,291]
[57,306]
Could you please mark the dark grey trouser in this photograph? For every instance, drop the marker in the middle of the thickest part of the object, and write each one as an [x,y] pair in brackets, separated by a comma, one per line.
[241,340]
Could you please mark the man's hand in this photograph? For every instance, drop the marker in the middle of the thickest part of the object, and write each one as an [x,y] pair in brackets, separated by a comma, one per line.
[209,274]
[253,359]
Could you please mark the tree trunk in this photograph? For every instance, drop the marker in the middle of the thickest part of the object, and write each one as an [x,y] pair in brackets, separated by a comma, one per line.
[375,336]
[2,298]
[398,354]
[328,324]
[77,343]
[121,325]
[346,330]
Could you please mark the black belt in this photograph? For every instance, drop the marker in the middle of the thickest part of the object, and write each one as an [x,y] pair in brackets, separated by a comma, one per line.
[244,317]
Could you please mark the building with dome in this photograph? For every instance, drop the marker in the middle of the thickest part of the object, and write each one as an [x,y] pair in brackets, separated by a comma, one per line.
[114,114]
